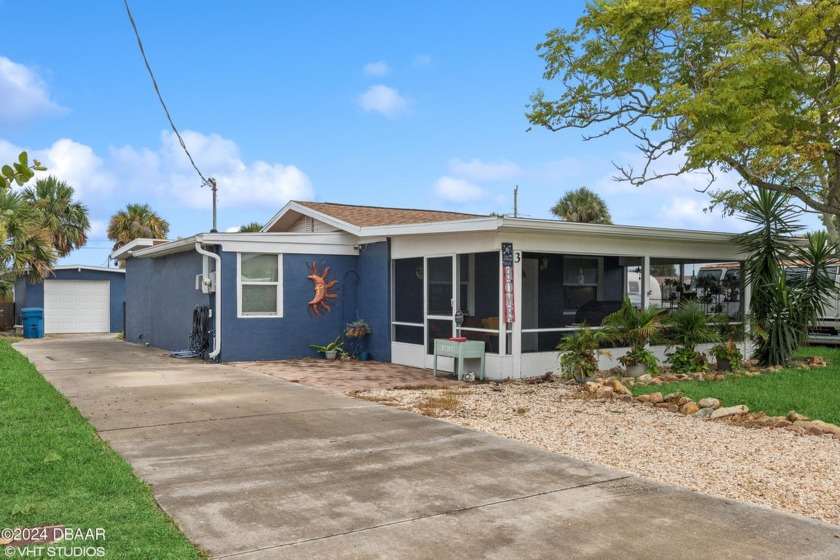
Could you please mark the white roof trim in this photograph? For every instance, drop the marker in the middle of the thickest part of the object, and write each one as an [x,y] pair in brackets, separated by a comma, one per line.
[498,223]
[490,223]
[293,206]
[299,243]
[135,245]
[530,225]
[641,232]
[85,267]
[170,248]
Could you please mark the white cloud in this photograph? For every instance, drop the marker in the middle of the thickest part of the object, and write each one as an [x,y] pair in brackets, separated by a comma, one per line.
[687,213]
[378,68]
[24,94]
[422,60]
[78,166]
[696,181]
[168,171]
[163,177]
[459,191]
[480,171]
[385,100]
[98,230]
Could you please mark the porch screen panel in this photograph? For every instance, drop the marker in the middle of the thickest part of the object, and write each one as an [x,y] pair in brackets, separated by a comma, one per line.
[480,291]
[408,300]
[561,291]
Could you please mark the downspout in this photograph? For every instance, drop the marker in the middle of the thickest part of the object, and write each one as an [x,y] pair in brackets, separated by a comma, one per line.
[217,339]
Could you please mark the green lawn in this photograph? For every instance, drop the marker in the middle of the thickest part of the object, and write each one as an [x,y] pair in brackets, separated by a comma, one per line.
[814,393]
[56,471]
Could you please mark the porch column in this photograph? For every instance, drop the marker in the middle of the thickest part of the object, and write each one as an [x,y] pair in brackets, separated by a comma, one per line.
[516,338]
[746,295]
[645,282]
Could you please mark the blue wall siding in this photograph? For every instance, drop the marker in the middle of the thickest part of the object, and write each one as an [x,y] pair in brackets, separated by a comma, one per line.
[375,298]
[32,295]
[273,338]
[21,293]
[161,297]
[139,286]
[289,336]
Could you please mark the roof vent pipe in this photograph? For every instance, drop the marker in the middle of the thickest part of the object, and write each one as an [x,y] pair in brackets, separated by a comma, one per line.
[217,339]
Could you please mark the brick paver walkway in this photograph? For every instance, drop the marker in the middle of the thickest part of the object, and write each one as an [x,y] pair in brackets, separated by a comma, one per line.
[346,377]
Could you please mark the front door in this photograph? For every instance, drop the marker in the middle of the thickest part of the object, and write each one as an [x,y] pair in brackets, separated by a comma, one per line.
[440,299]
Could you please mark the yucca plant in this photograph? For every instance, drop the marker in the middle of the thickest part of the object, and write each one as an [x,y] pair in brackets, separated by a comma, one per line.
[782,311]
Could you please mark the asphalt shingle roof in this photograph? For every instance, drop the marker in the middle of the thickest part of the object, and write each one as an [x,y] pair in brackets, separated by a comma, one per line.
[364,216]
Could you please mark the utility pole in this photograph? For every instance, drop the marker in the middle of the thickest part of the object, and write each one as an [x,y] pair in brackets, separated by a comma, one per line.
[515,196]
[212,182]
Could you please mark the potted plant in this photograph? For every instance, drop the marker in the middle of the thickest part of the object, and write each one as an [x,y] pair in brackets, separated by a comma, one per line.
[687,327]
[332,349]
[727,354]
[635,328]
[579,353]
[357,329]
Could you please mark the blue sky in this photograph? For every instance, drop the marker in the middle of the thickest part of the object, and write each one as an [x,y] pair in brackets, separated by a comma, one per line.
[406,104]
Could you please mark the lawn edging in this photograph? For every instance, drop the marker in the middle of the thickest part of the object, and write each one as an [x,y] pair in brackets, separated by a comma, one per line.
[776,398]
[58,472]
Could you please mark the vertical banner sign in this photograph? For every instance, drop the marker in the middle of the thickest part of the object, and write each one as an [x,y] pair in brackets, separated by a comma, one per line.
[507,282]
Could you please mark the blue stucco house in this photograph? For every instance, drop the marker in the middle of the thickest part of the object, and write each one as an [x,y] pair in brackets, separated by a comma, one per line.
[75,299]
[519,284]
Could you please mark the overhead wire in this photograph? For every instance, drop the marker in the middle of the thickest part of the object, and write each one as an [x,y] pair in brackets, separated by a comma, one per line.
[204,181]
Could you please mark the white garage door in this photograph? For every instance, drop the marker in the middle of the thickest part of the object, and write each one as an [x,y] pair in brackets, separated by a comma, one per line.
[77,306]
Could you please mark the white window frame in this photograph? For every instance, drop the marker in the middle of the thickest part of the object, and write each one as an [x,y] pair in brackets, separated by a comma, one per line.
[278,285]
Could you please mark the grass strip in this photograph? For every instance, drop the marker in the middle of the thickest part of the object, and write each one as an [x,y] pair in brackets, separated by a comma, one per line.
[814,392]
[56,471]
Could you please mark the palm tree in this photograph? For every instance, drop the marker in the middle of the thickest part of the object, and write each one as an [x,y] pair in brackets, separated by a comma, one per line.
[66,220]
[136,221]
[687,327]
[25,246]
[253,227]
[582,205]
[635,328]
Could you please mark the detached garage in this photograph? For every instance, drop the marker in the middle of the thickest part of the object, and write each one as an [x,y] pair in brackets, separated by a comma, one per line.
[76,299]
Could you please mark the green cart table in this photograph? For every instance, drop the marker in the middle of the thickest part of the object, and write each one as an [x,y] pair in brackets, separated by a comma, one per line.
[460,351]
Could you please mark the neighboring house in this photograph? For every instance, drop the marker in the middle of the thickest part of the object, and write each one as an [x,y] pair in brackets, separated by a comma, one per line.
[75,299]
[520,283]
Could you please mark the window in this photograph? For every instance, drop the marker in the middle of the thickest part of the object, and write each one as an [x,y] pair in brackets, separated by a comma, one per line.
[258,287]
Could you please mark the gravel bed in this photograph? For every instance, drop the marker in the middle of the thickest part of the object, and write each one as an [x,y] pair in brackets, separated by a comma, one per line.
[773,468]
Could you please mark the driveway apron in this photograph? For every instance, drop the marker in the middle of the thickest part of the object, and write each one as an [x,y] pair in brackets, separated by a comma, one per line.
[254,467]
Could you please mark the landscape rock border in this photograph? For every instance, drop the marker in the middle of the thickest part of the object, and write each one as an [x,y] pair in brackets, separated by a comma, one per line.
[709,408]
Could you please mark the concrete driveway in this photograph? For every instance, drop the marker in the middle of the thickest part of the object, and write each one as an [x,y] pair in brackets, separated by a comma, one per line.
[254,467]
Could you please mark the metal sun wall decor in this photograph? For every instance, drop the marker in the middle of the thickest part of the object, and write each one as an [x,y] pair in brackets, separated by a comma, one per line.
[322,290]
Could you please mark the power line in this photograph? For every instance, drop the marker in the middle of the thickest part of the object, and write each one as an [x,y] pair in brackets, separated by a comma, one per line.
[154,82]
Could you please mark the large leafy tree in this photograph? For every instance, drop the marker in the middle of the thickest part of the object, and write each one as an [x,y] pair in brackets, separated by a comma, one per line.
[24,244]
[582,205]
[19,172]
[64,218]
[748,86]
[136,221]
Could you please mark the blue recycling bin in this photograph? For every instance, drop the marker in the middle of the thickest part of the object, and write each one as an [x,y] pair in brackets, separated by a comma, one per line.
[33,322]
